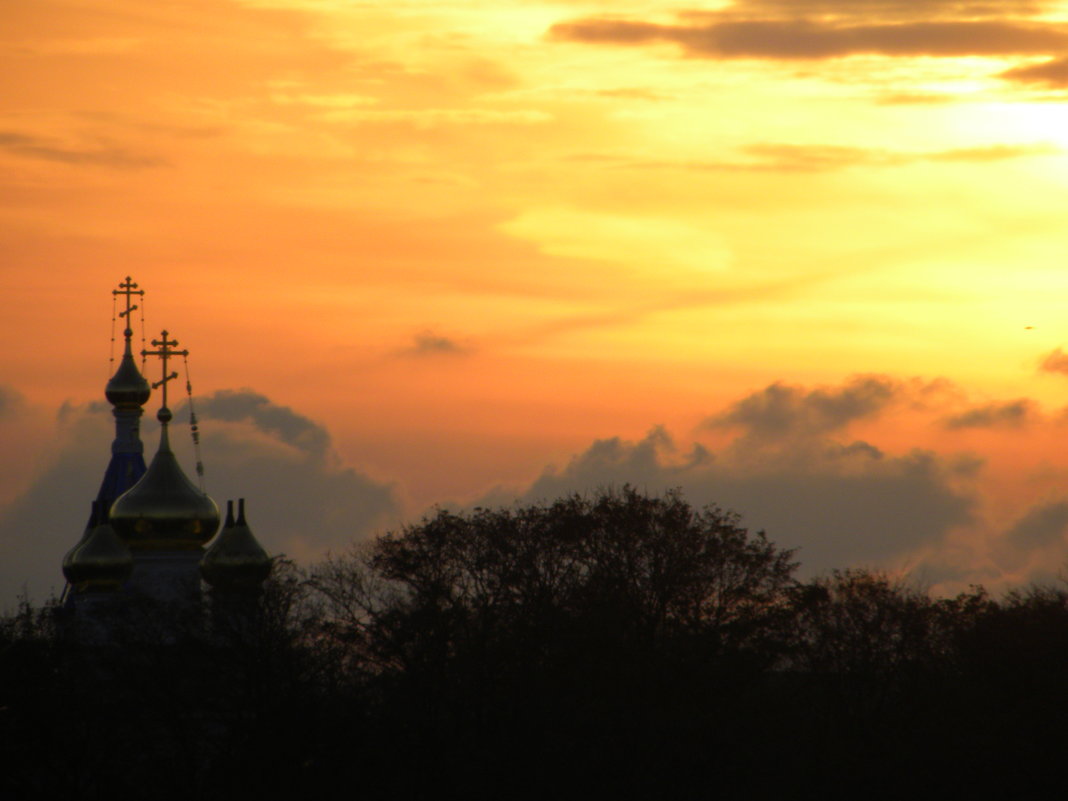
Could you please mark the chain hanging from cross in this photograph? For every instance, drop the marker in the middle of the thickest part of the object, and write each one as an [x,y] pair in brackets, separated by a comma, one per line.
[165,352]
[129,289]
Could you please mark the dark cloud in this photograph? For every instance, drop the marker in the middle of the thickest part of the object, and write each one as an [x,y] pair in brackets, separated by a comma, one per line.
[839,504]
[793,470]
[45,521]
[1010,414]
[795,38]
[1054,362]
[428,343]
[889,9]
[280,421]
[101,154]
[1051,73]
[301,500]
[780,410]
[1034,546]
[11,402]
[1042,526]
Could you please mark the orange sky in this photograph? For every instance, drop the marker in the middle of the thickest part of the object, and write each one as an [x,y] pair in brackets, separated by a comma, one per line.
[468,239]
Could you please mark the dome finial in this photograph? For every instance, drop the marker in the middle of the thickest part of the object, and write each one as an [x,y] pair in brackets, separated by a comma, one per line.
[165,352]
[129,289]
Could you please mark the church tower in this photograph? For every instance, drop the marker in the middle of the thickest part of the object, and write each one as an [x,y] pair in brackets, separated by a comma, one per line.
[127,391]
[147,532]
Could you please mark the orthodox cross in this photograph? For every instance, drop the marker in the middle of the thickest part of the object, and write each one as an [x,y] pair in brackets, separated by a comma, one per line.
[165,352]
[129,289]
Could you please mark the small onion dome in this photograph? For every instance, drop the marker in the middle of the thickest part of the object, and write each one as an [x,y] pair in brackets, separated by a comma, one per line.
[127,388]
[85,536]
[102,562]
[164,510]
[235,560]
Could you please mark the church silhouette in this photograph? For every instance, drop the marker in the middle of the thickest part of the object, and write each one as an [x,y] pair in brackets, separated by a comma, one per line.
[149,526]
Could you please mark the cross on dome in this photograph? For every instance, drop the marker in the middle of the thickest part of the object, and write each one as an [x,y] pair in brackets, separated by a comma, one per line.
[165,352]
[129,289]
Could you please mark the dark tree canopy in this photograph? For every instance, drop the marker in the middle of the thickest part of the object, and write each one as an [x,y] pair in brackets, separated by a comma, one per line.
[620,613]
[617,645]
[622,565]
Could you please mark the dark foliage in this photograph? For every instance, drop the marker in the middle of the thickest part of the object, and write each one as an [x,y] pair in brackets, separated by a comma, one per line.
[619,646]
[578,638]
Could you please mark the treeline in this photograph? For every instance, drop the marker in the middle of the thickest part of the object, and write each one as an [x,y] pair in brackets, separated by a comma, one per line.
[620,646]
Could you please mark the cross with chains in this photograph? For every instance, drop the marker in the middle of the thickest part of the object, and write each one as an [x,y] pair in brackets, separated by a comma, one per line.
[166,351]
[129,289]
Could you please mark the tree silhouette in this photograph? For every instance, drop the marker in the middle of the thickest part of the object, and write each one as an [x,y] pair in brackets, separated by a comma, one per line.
[588,630]
[616,645]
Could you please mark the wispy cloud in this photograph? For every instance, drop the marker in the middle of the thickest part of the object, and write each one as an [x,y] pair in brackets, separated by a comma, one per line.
[814,158]
[438,117]
[1005,414]
[101,154]
[429,344]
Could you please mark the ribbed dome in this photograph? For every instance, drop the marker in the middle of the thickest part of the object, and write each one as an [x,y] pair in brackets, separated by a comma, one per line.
[101,563]
[235,561]
[127,388]
[165,510]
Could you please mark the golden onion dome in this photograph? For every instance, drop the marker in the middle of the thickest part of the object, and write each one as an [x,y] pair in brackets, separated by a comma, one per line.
[85,536]
[127,388]
[164,510]
[235,561]
[101,563]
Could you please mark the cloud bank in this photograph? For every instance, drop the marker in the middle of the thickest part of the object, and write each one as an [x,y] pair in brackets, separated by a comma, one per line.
[793,466]
[820,30]
[803,39]
[838,504]
[789,458]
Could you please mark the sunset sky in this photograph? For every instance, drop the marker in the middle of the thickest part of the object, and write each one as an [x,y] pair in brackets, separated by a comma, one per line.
[802,258]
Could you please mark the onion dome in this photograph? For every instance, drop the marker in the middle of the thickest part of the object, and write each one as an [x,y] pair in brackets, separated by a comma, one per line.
[127,388]
[235,561]
[101,563]
[85,536]
[165,510]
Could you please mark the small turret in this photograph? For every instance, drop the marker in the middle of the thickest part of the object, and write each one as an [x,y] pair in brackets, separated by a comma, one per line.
[235,561]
